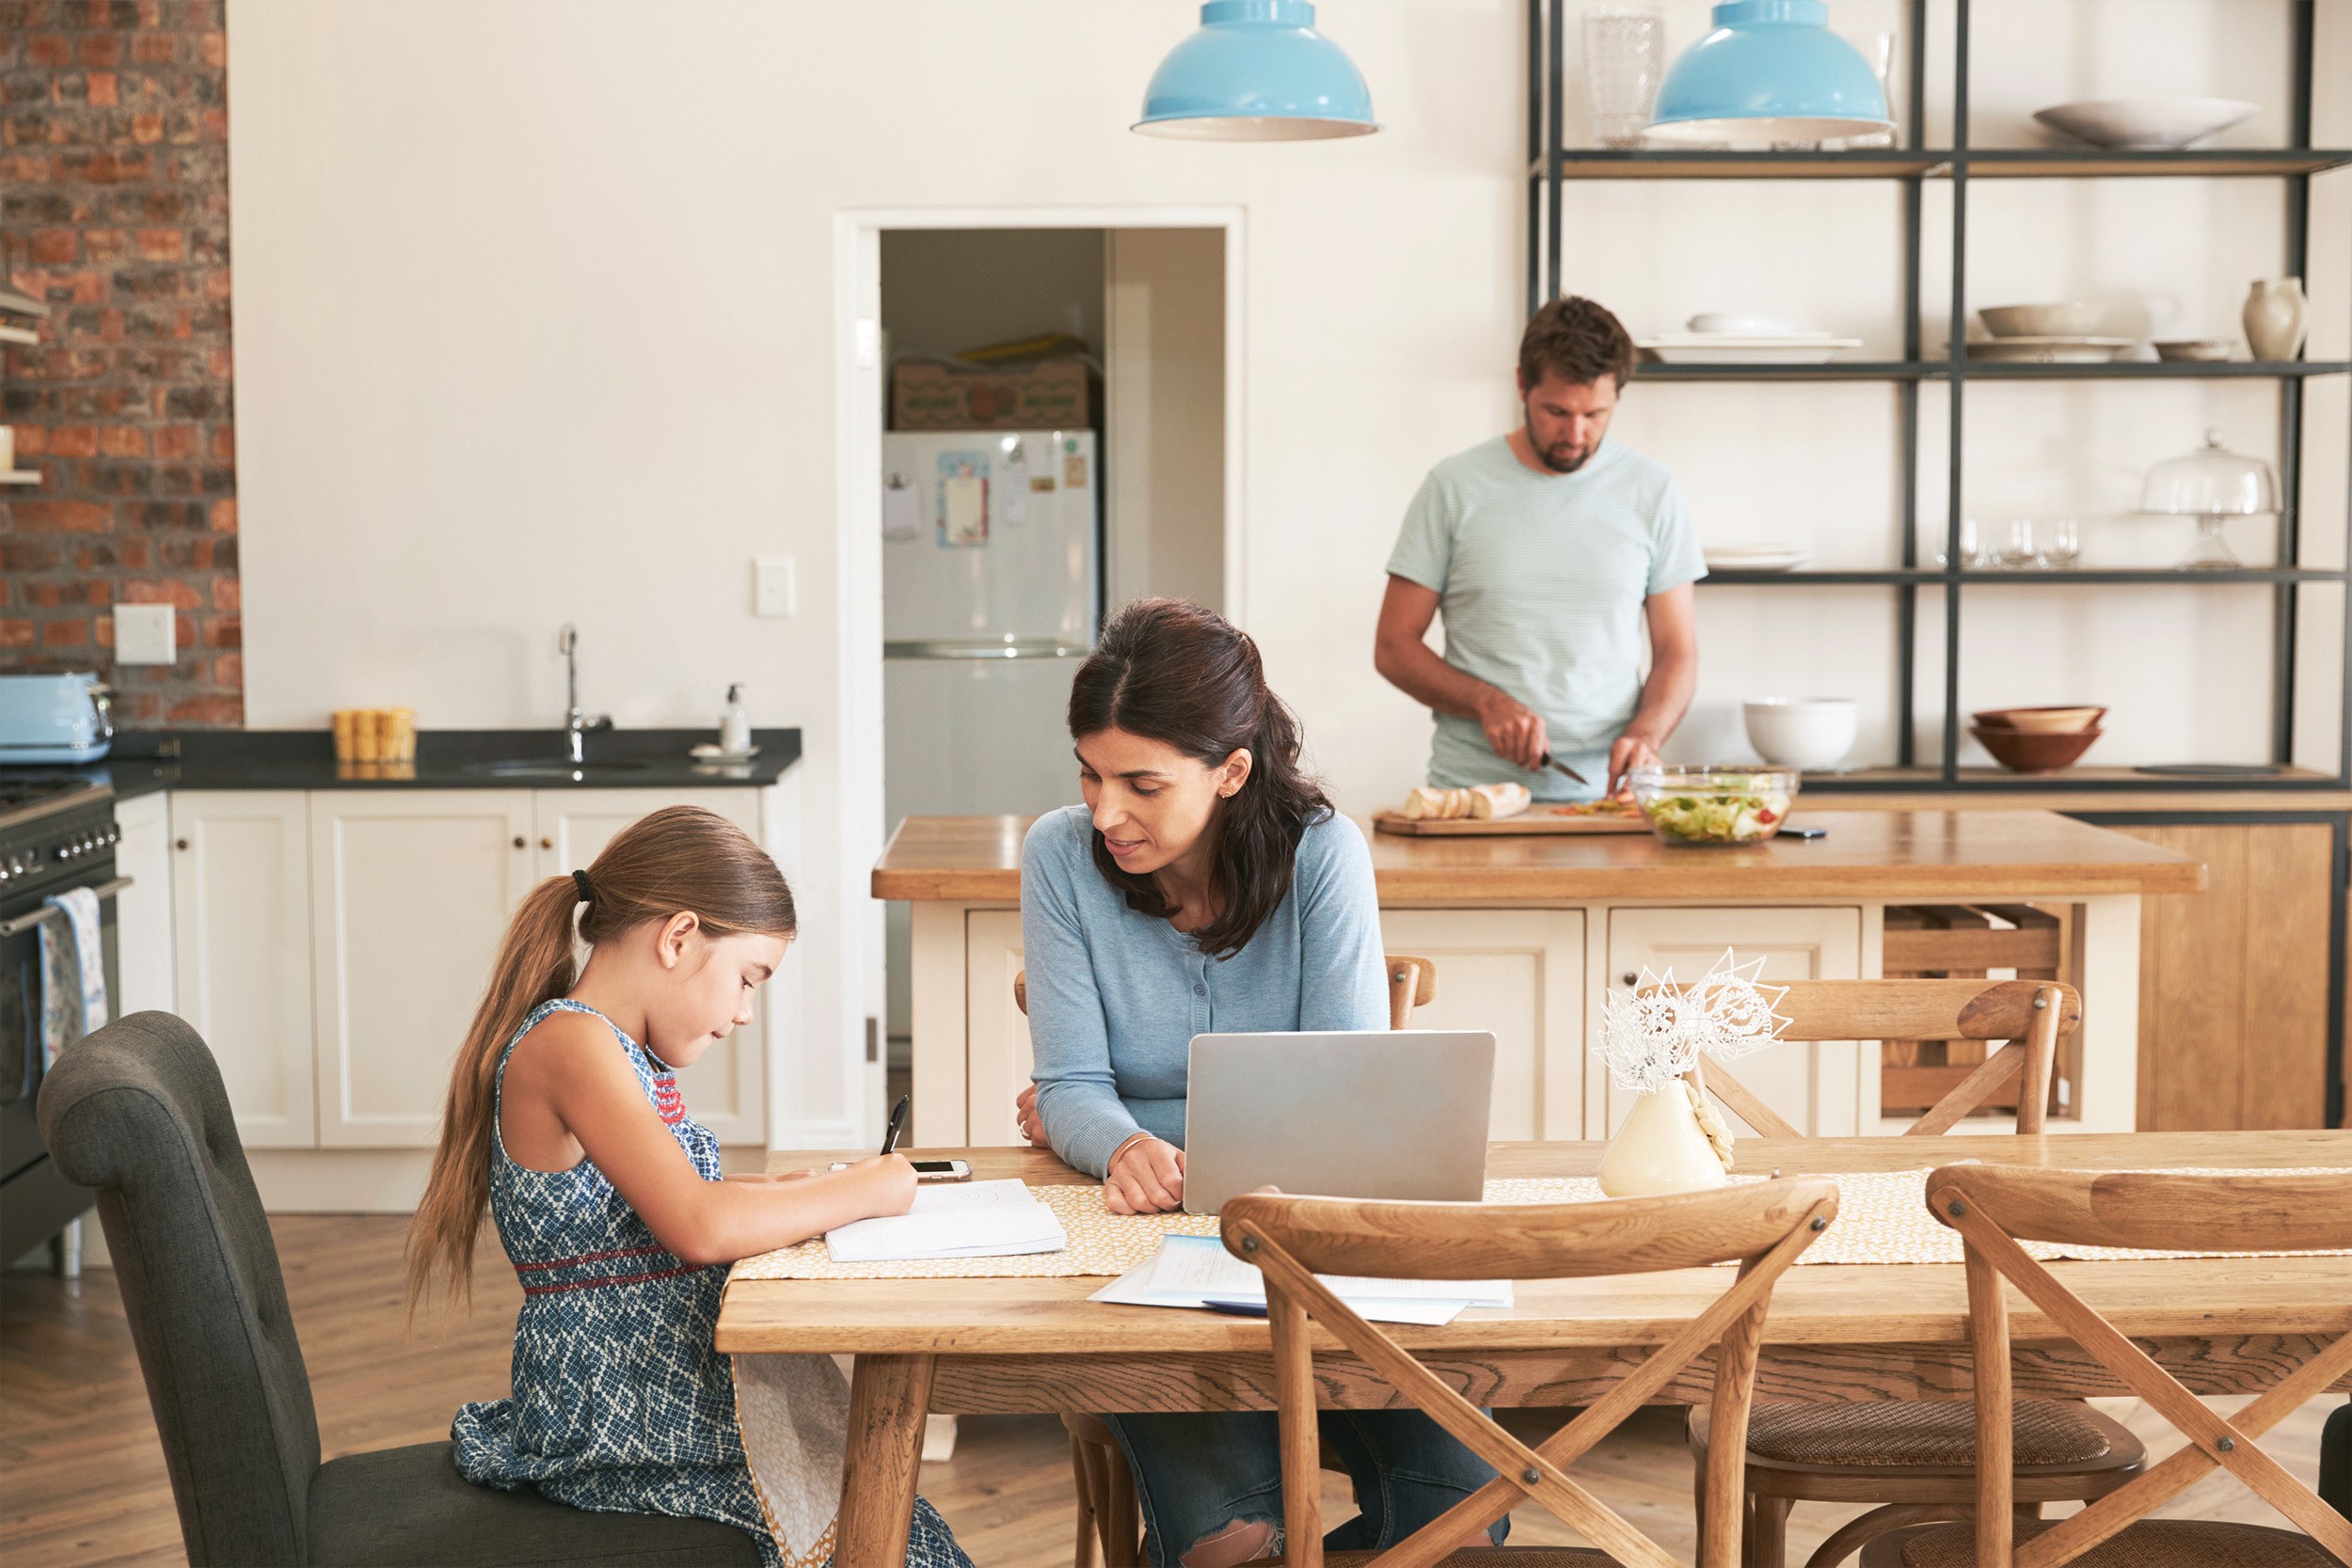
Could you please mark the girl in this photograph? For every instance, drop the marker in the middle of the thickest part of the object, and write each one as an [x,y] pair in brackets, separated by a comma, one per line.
[564,1118]
[1205,884]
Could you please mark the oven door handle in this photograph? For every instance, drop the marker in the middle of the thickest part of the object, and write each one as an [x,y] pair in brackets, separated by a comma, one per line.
[24,923]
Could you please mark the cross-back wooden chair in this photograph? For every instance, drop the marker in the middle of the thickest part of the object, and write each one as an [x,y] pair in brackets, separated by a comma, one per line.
[1915,1463]
[1994,1208]
[1110,1521]
[1762,1226]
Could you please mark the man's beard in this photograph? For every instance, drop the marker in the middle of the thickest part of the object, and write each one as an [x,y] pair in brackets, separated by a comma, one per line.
[1565,459]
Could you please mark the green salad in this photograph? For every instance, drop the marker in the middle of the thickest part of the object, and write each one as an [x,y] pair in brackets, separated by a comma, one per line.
[1730,814]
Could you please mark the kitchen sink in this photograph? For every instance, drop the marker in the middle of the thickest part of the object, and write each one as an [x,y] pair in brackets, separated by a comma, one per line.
[553,768]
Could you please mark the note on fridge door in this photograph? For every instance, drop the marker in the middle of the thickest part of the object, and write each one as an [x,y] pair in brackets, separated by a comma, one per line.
[963,500]
[1012,482]
[902,516]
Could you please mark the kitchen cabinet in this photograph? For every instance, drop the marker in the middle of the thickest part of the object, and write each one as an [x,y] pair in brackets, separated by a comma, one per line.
[410,895]
[1521,974]
[1822,1088]
[143,910]
[726,1089]
[241,952]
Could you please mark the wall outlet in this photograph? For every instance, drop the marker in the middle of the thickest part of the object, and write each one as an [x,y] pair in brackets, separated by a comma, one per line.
[145,633]
[775,587]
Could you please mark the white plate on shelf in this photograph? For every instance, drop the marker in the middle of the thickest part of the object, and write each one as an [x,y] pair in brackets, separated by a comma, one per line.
[1724,348]
[707,752]
[2049,351]
[1754,558]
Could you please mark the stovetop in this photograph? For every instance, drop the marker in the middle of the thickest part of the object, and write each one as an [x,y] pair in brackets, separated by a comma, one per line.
[26,800]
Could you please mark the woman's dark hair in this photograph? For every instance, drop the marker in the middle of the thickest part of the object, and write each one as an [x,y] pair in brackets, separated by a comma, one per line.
[1174,672]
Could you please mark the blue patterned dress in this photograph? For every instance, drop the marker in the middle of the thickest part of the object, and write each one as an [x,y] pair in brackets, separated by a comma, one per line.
[621,1403]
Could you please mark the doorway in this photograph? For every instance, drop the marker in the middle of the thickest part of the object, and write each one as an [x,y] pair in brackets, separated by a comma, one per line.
[984,608]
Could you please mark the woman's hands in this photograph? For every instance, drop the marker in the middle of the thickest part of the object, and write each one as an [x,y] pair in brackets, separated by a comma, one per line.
[1147,1177]
[1024,1116]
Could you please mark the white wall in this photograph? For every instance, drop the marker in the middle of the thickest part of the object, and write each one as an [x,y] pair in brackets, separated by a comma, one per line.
[1165,396]
[535,318]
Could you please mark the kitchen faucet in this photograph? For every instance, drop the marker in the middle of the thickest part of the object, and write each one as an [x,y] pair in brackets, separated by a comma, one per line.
[576,723]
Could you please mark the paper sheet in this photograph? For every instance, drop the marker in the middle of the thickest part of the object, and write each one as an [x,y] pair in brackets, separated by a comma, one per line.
[900,517]
[1200,1265]
[977,1219]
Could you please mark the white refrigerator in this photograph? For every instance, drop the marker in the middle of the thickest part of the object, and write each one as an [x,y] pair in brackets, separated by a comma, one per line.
[992,550]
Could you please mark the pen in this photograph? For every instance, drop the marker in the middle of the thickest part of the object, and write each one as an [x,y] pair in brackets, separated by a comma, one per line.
[897,1120]
[1237,1308]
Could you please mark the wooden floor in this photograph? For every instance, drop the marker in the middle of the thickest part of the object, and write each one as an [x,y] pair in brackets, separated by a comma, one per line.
[81,1480]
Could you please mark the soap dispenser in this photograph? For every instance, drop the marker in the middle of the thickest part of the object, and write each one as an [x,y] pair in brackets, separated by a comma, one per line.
[735,725]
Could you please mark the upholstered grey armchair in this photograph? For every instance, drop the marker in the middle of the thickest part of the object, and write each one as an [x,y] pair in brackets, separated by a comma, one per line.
[137,1111]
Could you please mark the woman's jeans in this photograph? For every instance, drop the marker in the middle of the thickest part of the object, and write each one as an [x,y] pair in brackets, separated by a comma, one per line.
[1198,1473]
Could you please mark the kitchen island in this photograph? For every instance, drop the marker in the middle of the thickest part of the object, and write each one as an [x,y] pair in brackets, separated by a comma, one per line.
[1529,933]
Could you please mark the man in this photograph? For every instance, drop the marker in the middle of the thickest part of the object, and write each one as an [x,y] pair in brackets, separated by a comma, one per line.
[1551,551]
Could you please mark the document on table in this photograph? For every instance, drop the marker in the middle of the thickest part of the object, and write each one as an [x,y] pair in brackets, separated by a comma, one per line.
[1192,1271]
[973,1219]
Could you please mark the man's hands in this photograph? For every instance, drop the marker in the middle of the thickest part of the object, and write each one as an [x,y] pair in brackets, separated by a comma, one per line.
[1629,750]
[1514,730]
[1147,1177]
[1024,1116]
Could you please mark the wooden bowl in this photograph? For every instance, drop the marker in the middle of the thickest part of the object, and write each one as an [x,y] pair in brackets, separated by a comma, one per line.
[2042,721]
[2026,752]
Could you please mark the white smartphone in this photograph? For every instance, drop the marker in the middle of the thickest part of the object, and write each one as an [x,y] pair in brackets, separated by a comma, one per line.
[927,1170]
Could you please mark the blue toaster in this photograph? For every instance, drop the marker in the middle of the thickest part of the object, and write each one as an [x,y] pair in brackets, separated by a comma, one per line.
[55,718]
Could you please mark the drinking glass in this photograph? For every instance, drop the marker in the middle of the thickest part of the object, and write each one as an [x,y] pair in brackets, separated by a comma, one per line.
[1625,55]
[2021,552]
[2061,543]
[1968,556]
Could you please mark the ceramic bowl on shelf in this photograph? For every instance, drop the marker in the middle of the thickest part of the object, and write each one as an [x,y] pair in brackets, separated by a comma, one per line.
[1714,806]
[1815,733]
[2071,318]
[2041,720]
[2144,124]
[2047,351]
[2205,349]
[1746,323]
[2029,751]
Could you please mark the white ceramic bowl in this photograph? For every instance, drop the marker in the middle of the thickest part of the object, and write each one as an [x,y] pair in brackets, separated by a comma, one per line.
[2073,319]
[1746,323]
[2145,123]
[1803,731]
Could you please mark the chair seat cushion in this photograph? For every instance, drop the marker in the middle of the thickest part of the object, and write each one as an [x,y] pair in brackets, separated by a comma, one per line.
[2152,1543]
[410,1506]
[1925,1433]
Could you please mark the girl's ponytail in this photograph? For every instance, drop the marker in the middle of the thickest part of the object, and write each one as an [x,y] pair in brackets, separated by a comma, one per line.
[535,964]
[679,859]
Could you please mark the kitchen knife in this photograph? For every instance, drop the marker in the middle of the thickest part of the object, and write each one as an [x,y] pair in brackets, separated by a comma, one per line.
[1546,760]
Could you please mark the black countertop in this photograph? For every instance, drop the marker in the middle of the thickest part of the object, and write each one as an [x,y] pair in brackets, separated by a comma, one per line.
[144,762]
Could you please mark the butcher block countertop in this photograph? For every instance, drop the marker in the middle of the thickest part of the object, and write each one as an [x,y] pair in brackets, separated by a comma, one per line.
[1868,854]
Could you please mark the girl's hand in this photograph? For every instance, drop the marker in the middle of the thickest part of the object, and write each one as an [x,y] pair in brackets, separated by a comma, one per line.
[1024,1116]
[1147,1177]
[888,1180]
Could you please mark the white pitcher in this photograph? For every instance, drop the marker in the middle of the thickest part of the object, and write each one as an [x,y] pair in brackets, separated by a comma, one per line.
[2274,318]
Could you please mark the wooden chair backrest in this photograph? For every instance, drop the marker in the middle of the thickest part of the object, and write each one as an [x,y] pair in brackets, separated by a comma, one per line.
[2029,1015]
[1995,1207]
[1763,1226]
[1412,983]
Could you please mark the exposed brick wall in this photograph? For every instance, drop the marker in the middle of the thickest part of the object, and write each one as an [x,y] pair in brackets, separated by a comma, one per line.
[113,209]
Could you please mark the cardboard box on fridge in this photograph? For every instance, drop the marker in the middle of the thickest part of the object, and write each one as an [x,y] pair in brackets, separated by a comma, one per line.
[1050,394]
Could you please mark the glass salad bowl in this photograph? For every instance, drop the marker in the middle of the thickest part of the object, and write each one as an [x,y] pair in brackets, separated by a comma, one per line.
[1714,806]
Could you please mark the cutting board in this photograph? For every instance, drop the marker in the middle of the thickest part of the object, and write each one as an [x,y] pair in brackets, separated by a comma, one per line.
[1534,821]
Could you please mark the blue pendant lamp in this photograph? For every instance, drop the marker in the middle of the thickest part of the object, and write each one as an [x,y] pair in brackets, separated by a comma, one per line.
[1771,70]
[1257,71]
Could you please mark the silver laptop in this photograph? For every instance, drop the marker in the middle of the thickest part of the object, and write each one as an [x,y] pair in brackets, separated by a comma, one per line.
[1398,1114]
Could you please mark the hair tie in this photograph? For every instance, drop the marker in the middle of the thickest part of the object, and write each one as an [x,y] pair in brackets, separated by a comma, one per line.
[587,890]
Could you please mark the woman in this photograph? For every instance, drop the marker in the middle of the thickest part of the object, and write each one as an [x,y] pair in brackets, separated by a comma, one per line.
[1205,884]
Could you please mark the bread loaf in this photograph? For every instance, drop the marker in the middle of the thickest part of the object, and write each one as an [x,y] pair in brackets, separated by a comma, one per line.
[1491,801]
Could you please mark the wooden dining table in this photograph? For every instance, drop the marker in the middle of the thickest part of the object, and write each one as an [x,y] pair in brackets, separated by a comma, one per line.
[1836,1332]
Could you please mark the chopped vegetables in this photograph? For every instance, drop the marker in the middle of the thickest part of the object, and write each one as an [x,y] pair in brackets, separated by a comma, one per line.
[1700,806]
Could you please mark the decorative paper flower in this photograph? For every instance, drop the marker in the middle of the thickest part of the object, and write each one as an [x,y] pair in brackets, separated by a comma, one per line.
[1656,1032]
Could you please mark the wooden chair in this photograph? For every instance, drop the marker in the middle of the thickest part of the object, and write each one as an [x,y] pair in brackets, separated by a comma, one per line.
[1915,1463]
[1109,1518]
[1993,1208]
[1762,1226]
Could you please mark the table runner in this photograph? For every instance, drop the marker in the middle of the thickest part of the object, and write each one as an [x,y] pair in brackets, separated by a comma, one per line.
[1882,1218]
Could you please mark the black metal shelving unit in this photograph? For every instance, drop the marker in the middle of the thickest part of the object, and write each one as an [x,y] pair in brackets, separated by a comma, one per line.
[1552,165]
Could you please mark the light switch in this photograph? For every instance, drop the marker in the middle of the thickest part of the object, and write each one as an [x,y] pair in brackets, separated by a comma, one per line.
[775,587]
[145,634]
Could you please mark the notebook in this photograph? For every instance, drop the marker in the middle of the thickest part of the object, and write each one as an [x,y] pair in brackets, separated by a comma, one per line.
[970,1219]
[1189,1271]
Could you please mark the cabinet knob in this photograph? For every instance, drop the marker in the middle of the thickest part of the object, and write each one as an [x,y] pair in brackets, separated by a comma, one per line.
[1631,979]
[520,843]
[546,844]
[179,843]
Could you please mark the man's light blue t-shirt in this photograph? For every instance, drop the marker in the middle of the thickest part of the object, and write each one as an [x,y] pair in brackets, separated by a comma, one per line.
[1541,580]
[1116,995]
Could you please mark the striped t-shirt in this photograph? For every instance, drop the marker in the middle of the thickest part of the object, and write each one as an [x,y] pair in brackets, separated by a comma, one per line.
[1541,580]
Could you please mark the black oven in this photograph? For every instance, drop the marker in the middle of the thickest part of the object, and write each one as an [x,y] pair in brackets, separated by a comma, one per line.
[55,834]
